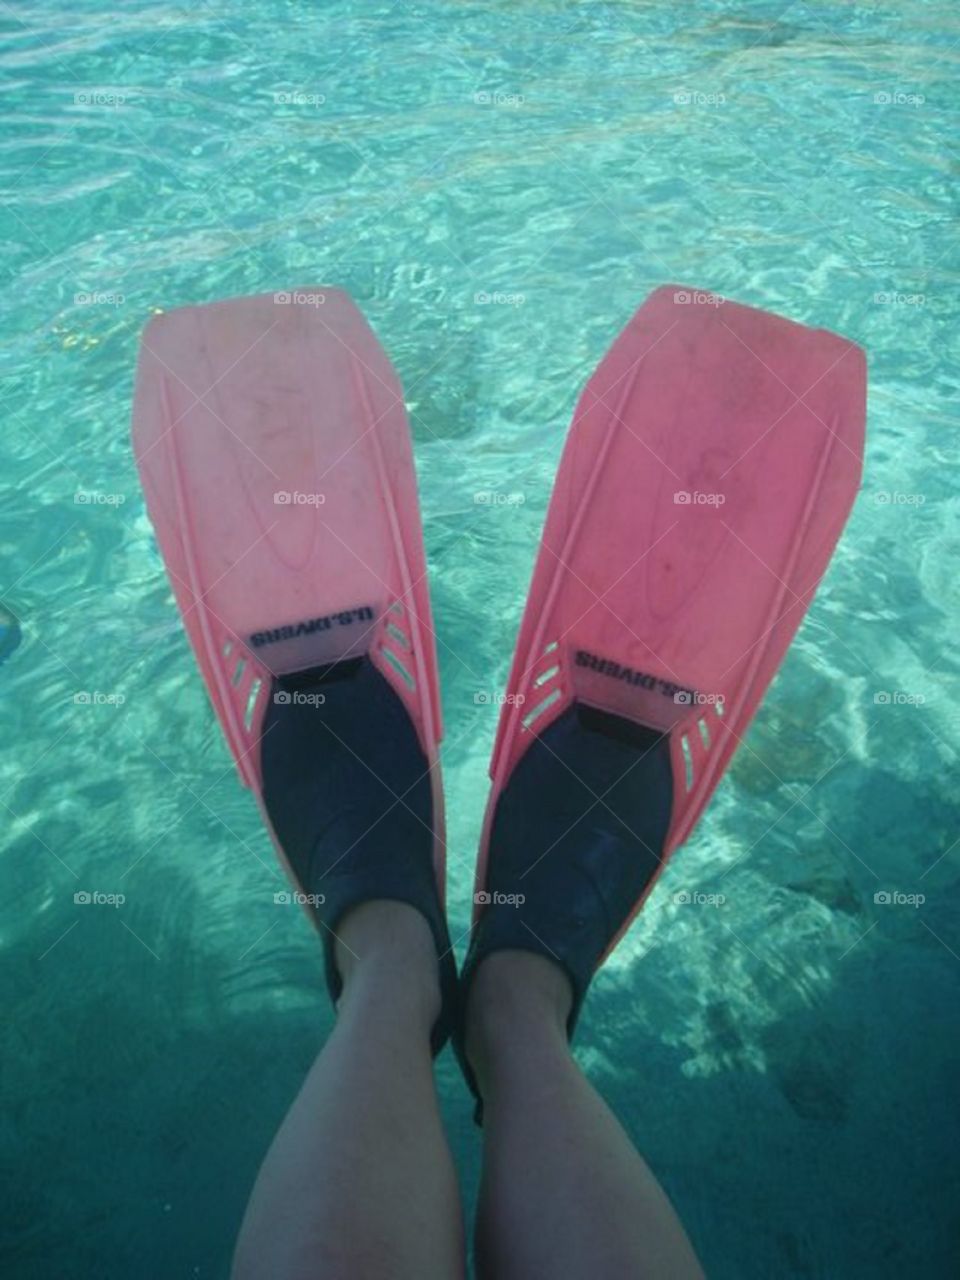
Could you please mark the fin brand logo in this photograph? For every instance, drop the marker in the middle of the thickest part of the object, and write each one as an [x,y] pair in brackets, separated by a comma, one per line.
[641,679]
[311,625]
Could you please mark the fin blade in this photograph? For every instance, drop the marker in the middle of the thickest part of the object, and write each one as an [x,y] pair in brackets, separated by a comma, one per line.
[275,456]
[713,459]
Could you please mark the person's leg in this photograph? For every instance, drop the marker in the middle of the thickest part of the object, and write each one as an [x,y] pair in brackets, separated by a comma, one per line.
[564,1192]
[359,1181]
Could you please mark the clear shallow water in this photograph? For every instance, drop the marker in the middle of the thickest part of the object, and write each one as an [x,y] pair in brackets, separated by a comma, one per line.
[784,1061]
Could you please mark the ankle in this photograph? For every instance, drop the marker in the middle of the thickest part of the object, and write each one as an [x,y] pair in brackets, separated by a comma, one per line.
[385,950]
[516,998]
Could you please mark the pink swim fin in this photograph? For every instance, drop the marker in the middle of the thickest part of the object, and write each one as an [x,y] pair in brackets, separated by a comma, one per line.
[713,459]
[275,456]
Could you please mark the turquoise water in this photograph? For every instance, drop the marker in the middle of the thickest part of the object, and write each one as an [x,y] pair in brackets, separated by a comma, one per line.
[498,185]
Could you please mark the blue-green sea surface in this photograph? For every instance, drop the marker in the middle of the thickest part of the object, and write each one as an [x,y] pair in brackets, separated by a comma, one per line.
[498,184]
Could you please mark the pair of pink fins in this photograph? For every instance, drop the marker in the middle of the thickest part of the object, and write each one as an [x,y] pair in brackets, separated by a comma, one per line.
[712,462]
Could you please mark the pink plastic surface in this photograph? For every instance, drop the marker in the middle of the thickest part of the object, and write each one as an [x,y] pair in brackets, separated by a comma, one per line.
[712,462]
[275,456]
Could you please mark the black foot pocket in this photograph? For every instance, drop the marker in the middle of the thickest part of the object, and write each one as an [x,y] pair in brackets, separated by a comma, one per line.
[577,837]
[347,787]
